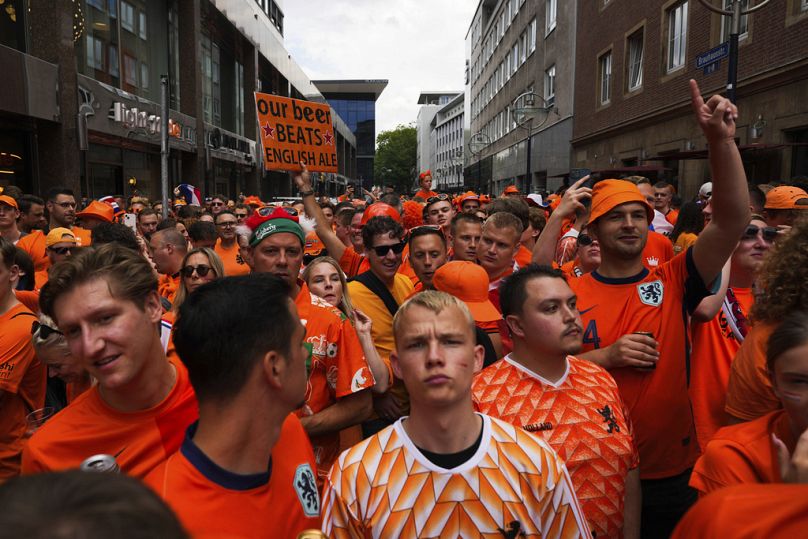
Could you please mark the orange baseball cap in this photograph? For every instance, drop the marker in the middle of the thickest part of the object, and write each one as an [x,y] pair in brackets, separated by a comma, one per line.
[98,210]
[468,282]
[60,235]
[468,195]
[786,197]
[511,190]
[313,246]
[378,209]
[608,194]
[9,201]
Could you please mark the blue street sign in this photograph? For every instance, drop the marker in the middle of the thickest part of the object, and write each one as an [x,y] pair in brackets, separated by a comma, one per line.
[712,55]
[712,68]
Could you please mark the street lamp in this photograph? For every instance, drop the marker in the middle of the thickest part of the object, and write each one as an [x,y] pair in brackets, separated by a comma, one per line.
[457,163]
[735,13]
[529,115]
[477,145]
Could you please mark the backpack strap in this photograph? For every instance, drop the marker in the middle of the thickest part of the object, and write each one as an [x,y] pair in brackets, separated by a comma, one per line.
[375,285]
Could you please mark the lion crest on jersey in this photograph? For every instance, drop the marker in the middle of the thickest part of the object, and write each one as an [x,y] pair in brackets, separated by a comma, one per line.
[651,293]
[306,490]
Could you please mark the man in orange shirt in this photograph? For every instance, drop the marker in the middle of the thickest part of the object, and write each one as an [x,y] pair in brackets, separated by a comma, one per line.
[168,247]
[22,375]
[227,246]
[105,302]
[425,182]
[635,322]
[445,470]
[497,247]
[539,385]
[246,468]
[337,393]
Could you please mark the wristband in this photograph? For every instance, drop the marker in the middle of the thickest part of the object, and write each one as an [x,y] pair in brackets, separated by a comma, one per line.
[306,193]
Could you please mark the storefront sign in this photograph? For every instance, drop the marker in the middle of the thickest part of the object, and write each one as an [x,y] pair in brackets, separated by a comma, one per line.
[230,146]
[132,117]
[295,132]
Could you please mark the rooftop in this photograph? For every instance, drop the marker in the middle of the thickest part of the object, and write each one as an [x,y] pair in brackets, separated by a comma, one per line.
[355,86]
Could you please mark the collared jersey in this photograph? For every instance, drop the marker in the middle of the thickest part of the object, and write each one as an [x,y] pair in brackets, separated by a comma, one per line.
[658,250]
[658,302]
[385,487]
[231,259]
[338,367]
[583,419]
[212,502]
[139,440]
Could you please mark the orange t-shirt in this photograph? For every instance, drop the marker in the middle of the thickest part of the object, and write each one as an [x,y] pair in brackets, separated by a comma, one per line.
[231,259]
[167,286]
[352,263]
[672,216]
[22,385]
[658,250]
[523,257]
[140,440]
[29,298]
[770,511]
[33,243]
[656,301]
[426,195]
[749,392]
[40,279]
[338,366]
[582,417]
[714,347]
[743,453]
[572,269]
[212,502]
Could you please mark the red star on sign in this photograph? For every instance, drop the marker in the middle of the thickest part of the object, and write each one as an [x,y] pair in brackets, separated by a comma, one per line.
[329,138]
[268,130]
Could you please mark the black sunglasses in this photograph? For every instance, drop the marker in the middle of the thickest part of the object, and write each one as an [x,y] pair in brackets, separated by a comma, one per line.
[384,249]
[769,233]
[44,331]
[584,240]
[60,250]
[441,197]
[268,210]
[201,270]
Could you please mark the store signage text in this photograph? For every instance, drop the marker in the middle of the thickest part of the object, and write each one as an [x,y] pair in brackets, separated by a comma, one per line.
[132,117]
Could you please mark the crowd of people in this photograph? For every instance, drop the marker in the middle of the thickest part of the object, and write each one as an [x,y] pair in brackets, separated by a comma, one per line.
[605,361]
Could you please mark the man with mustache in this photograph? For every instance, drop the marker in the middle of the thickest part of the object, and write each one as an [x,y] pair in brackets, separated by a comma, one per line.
[573,404]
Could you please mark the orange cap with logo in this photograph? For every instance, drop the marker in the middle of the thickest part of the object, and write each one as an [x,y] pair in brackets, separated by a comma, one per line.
[786,197]
[608,194]
[98,210]
[468,282]
[314,245]
[378,209]
[9,201]
[60,235]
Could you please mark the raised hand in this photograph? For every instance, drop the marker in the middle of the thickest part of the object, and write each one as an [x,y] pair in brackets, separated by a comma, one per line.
[303,179]
[716,117]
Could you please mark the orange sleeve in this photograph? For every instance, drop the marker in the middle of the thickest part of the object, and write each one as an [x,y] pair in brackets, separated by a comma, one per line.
[749,393]
[34,245]
[353,373]
[29,298]
[16,349]
[350,262]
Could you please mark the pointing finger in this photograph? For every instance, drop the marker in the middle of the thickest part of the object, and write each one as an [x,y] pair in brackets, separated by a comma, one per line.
[695,96]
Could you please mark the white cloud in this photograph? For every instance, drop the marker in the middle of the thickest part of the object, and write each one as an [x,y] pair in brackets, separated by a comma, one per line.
[416,44]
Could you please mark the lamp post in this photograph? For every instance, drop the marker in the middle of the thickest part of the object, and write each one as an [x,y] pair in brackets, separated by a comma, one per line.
[529,115]
[477,145]
[735,13]
[457,163]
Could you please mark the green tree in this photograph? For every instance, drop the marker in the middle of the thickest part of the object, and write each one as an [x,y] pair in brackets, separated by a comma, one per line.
[395,157]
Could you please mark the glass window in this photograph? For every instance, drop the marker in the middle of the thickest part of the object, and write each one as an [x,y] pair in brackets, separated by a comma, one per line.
[142,25]
[551,12]
[95,53]
[127,16]
[144,76]
[677,36]
[112,7]
[726,22]
[533,35]
[515,57]
[113,61]
[635,54]
[523,46]
[549,85]
[605,77]
[129,70]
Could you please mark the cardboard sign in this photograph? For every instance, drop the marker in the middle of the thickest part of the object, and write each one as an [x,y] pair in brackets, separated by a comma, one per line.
[295,132]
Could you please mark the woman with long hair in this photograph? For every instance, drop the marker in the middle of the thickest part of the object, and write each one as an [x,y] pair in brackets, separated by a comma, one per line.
[326,280]
[200,266]
[687,228]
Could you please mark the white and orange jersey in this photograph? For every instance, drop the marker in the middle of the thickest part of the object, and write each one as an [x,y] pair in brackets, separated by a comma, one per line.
[514,485]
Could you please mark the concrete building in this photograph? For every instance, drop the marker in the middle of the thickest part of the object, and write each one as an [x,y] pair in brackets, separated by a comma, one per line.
[447,144]
[83,109]
[514,47]
[355,102]
[632,99]
[431,103]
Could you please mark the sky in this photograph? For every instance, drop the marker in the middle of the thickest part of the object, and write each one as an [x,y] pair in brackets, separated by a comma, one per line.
[417,45]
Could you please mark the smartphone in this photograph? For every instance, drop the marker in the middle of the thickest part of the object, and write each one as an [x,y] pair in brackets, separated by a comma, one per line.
[130,220]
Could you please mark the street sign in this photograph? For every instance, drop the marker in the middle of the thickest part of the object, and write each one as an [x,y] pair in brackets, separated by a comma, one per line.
[709,69]
[713,55]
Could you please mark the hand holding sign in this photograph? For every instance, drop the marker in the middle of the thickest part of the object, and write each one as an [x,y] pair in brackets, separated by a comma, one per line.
[294,132]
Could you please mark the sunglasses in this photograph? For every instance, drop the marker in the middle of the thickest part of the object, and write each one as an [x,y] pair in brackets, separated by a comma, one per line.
[440,198]
[217,203]
[268,210]
[585,240]
[201,270]
[384,249]
[769,233]
[44,331]
[60,250]
[228,224]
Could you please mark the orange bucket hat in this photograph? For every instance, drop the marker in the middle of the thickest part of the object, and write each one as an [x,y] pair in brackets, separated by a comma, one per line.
[98,210]
[608,194]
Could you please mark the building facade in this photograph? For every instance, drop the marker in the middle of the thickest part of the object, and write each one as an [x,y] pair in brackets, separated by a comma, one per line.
[96,126]
[431,103]
[515,47]
[355,103]
[632,98]
[447,145]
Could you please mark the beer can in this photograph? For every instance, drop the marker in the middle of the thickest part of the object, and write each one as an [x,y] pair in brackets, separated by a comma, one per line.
[311,534]
[100,464]
[647,334]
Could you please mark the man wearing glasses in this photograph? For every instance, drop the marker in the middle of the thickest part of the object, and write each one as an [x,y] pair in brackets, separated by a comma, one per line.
[227,246]
[59,244]
[217,204]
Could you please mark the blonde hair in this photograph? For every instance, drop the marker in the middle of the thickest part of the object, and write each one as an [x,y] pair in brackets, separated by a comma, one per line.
[345,304]
[215,264]
[436,302]
[54,339]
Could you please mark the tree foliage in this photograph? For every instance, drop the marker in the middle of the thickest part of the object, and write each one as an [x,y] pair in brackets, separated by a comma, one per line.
[395,157]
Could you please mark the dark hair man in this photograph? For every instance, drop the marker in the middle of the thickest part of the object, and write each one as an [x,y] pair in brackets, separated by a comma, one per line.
[217,204]
[32,214]
[542,376]
[633,317]
[203,234]
[439,211]
[117,233]
[462,459]
[427,253]
[247,366]
[227,246]
[105,302]
[466,229]
[242,211]
[147,221]
[168,247]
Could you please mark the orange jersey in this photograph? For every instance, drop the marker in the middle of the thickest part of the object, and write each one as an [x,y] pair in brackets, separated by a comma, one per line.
[523,257]
[352,263]
[231,259]
[167,286]
[672,216]
[743,453]
[495,283]
[582,417]
[89,426]
[212,502]
[572,269]
[770,511]
[658,250]
[338,366]
[33,243]
[656,301]
[385,487]
[749,392]
[22,385]
[29,298]
[714,347]
[426,195]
